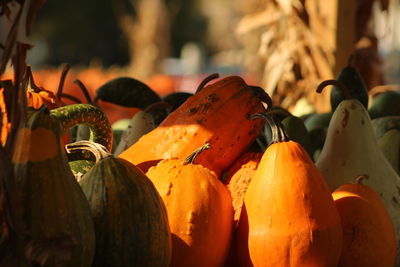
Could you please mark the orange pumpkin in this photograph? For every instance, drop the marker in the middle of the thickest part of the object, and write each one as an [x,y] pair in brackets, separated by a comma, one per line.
[369,238]
[238,178]
[289,217]
[219,114]
[200,212]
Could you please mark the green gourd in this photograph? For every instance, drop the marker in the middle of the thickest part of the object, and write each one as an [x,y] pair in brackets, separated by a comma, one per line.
[129,215]
[383,124]
[88,116]
[52,200]
[297,132]
[351,78]
[385,104]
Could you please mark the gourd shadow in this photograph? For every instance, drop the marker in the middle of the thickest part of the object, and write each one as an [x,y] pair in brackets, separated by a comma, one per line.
[241,255]
[181,248]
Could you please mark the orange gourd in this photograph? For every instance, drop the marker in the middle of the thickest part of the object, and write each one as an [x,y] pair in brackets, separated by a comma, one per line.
[200,212]
[369,238]
[289,217]
[238,178]
[218,114]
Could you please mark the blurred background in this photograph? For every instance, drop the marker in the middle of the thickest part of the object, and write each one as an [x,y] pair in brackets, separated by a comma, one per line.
[285,46]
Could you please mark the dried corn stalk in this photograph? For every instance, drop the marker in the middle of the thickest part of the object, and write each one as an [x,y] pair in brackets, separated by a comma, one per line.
[288,47]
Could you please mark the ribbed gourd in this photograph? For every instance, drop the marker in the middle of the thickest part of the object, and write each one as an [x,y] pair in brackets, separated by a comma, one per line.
[53,202]
[129,215]
[288,217]
[100,131]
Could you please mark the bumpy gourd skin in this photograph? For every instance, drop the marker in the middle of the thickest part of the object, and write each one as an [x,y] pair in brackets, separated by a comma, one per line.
[219,114]
[130,218]
[91,115]
[199,211]
[53,202]
[289,217]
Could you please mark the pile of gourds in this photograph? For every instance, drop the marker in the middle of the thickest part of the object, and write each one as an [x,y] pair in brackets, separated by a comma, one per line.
[224,179]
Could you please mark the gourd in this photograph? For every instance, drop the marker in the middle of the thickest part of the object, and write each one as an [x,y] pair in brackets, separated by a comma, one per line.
[389,144]
[199,211]
[383,124]
[351,149]
[369,238]
[350,77]
[296,131]
[53,202]
[140,124]
[203,118]
[101,131]
[385,104]
[238,177]
[288,217]
[130,218]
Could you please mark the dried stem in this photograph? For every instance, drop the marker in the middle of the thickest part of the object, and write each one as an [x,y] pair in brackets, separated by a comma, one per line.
[343,87]
[206,81]
[192,157]
[84,90]
[98,150]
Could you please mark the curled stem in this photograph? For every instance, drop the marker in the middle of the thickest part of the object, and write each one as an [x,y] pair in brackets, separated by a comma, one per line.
[84,147]
[277,129]
[262,95]
[84,90]
[205,81]
[343,87]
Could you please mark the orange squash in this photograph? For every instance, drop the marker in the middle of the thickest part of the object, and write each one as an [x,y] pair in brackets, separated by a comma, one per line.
[219,114]
[369,238]
[238,178]
[200,212]
[289,217]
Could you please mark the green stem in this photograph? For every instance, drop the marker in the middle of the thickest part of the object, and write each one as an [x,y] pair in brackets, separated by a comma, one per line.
[91,115]
[277,129]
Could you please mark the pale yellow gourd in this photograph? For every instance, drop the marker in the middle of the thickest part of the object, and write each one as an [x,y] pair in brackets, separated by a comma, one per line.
[351,149]
[389,144]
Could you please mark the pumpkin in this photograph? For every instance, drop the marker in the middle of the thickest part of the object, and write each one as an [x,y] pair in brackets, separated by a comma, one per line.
[218,114]
[238,177]
[288,217]
[199,211]
[130,218]
[53,202]
[368,233]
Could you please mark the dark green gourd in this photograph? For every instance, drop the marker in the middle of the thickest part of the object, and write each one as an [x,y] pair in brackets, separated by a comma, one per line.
[130,218]
[351,78]
[53,202]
